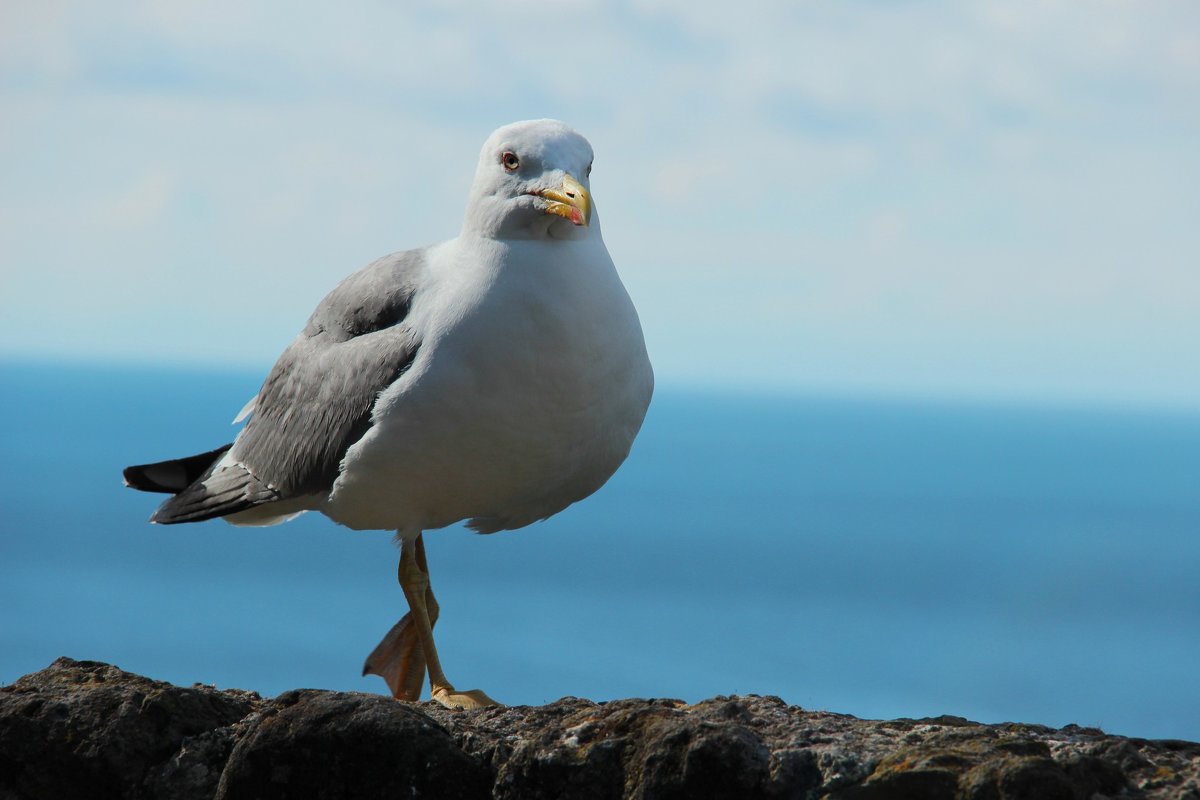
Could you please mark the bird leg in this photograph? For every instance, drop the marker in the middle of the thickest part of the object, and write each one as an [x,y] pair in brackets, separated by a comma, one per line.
[398,658]
[414,581]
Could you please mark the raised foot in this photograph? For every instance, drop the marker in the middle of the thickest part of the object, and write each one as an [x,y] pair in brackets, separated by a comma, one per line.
[399,660]
[462,701]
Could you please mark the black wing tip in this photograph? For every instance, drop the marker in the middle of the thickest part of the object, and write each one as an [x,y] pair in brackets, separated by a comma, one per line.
[193,500]
[216,494]
[135,478]
[173,475]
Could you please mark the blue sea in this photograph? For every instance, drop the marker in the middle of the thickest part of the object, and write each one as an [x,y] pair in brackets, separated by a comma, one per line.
[882,558]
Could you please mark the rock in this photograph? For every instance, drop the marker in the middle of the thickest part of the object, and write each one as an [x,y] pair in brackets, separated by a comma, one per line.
[324,744]
[85,729]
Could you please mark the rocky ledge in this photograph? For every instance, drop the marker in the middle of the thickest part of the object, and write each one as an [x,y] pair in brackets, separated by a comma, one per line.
[86,729]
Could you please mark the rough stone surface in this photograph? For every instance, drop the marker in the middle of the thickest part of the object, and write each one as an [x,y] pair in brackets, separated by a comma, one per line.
[86,729]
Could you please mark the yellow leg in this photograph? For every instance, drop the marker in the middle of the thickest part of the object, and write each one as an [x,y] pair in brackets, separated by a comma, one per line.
[414,581]
[408,648]
[398,658]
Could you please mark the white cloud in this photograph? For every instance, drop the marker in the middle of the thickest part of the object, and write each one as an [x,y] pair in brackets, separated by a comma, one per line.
[850,190]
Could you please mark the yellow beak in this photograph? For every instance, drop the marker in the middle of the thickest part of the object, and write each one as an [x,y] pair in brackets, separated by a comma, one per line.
[570,201]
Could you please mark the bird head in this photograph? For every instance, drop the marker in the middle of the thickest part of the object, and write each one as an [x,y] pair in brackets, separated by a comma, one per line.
[532,183]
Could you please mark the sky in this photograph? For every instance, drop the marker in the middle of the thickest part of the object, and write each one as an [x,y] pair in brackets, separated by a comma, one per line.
[980,199]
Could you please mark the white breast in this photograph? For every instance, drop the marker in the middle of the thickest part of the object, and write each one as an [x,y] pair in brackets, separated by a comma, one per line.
[529,386]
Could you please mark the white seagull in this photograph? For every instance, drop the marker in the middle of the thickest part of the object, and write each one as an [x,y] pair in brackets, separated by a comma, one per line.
[496,378]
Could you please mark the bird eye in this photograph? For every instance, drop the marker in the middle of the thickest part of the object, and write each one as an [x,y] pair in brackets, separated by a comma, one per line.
[588,173]
[510,161]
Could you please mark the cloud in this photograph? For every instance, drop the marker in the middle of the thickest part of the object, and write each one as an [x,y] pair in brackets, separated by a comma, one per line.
[797,194]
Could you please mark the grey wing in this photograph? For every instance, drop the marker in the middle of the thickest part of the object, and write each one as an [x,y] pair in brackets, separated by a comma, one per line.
[318,398]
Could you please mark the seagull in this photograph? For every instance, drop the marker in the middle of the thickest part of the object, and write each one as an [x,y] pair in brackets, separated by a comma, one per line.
[495,378]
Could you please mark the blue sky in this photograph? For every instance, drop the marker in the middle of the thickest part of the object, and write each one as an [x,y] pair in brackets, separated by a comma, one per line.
[978,199]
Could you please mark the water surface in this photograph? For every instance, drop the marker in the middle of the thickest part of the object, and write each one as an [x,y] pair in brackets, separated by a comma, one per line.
[880,558]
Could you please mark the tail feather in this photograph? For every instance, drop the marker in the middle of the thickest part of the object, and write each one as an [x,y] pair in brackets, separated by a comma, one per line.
[172,476]
[203,487]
